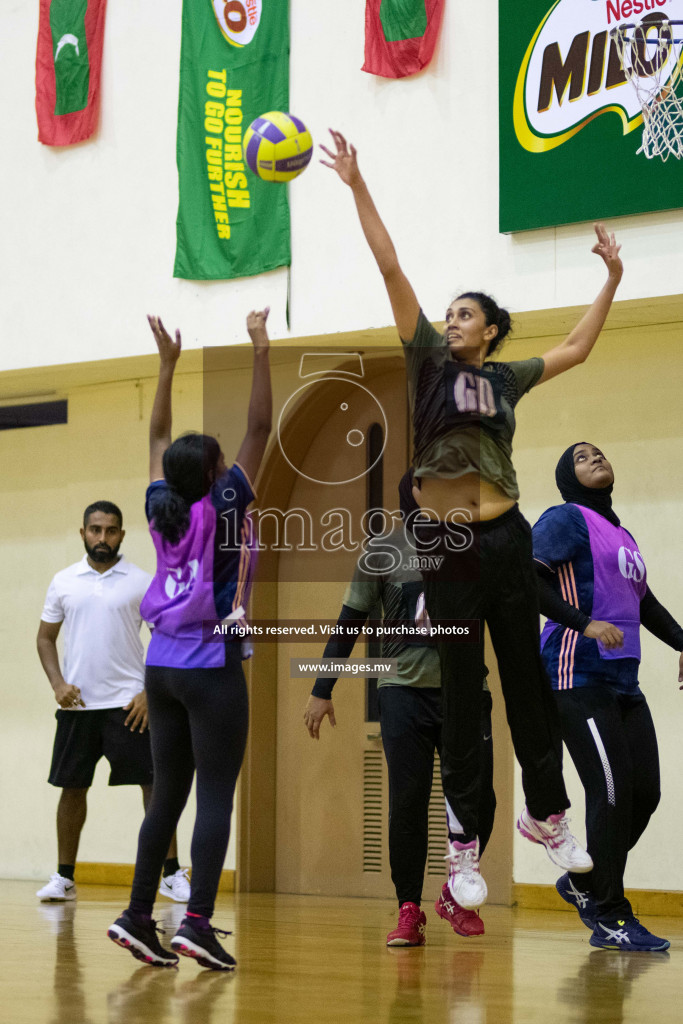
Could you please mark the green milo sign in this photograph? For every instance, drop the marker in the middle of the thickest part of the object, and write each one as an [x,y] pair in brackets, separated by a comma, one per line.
[571,123]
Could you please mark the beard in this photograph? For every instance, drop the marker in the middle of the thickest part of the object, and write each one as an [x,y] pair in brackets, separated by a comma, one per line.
[102,552]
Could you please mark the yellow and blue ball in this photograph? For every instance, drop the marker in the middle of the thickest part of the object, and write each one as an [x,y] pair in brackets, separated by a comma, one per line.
[277,146]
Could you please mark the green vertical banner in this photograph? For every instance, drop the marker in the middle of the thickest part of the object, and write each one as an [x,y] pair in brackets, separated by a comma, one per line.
[234,66]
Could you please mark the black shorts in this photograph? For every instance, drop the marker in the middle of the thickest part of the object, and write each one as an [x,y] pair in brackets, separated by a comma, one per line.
[82,738]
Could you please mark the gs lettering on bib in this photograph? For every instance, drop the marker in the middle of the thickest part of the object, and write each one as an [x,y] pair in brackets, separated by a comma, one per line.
[631,565]
[473,396]
[619,582]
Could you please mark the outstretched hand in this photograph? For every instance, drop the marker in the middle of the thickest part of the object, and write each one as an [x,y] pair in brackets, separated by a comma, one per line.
[169,350]
[314,715]
[256,326]
[344,160]
[606,247]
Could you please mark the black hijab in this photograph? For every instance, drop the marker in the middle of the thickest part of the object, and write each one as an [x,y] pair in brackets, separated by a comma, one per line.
[596,498]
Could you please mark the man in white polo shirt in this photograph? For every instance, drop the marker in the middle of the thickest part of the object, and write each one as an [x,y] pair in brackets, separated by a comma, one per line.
[101,697]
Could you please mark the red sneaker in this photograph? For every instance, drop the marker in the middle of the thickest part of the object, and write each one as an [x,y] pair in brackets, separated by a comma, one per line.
[410,930]
[462,921]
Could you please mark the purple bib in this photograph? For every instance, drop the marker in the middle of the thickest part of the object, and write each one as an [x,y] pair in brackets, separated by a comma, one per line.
[619,581]
[180,602]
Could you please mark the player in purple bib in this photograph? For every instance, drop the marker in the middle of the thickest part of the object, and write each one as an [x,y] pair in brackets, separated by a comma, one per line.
[593,590]
[196,691]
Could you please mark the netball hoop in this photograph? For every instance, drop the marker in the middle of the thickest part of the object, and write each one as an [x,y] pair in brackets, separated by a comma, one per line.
[651,54]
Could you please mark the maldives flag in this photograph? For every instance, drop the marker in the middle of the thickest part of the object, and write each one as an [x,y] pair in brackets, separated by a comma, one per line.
[400,35]
[68,64]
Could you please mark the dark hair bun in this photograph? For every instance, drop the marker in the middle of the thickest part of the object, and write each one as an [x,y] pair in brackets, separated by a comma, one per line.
[504,325]
[494,315]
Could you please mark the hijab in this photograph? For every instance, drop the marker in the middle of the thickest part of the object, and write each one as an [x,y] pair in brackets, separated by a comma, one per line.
[598,499]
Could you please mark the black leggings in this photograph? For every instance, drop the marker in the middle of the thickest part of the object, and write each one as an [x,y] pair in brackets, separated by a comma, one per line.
[492,580]
[198,719]
[410,718]
[611,739]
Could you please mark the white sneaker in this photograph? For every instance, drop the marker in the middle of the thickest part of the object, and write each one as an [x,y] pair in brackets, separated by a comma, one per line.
[466,885]
[176,886]
[57,889]
[560,844]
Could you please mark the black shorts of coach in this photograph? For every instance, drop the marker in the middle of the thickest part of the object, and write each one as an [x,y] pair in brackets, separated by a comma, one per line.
[83,737]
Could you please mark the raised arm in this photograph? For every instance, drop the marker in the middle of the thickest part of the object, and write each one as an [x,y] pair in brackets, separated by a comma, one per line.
[577,346]
[160,422]
[260,413]
[401,295]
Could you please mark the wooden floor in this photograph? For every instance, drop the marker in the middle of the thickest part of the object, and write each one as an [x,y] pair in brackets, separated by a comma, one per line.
[323,960]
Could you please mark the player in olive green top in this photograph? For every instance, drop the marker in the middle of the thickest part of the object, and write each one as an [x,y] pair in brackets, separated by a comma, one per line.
[410,717]
[463,419]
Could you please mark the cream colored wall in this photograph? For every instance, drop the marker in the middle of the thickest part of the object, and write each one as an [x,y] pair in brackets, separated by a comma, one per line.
[49,475]
[626,399]
[87,250]
[89,231]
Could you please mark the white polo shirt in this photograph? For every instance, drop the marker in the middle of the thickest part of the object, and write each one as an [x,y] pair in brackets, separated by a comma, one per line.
[103,653]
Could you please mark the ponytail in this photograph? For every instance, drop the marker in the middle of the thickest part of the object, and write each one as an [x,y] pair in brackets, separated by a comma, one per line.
[189,470]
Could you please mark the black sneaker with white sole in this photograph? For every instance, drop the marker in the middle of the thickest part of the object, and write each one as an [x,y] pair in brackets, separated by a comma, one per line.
[202,945]
[138,934]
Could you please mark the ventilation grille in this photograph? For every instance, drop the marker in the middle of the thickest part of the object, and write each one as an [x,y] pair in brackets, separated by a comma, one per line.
[437,824]
[373,810]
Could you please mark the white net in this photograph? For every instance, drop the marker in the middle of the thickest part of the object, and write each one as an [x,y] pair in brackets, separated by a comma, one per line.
[651,55]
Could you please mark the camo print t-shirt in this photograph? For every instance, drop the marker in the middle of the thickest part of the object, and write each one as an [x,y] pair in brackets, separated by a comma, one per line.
[463,416]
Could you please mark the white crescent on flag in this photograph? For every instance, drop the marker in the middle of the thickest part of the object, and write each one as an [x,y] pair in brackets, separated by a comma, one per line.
[67,40]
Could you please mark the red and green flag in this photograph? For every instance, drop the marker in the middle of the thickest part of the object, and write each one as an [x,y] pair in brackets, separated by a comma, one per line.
[234,66]
[68,66]
[400,35]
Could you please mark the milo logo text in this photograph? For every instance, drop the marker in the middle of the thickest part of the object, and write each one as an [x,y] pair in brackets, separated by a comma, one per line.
[572,70]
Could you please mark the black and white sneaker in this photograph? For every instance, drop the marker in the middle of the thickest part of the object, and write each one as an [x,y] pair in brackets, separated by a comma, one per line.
[581,899]
[202,945]
[138,935]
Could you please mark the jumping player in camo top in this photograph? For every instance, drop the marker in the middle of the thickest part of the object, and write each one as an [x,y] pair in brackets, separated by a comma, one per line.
[463,413]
